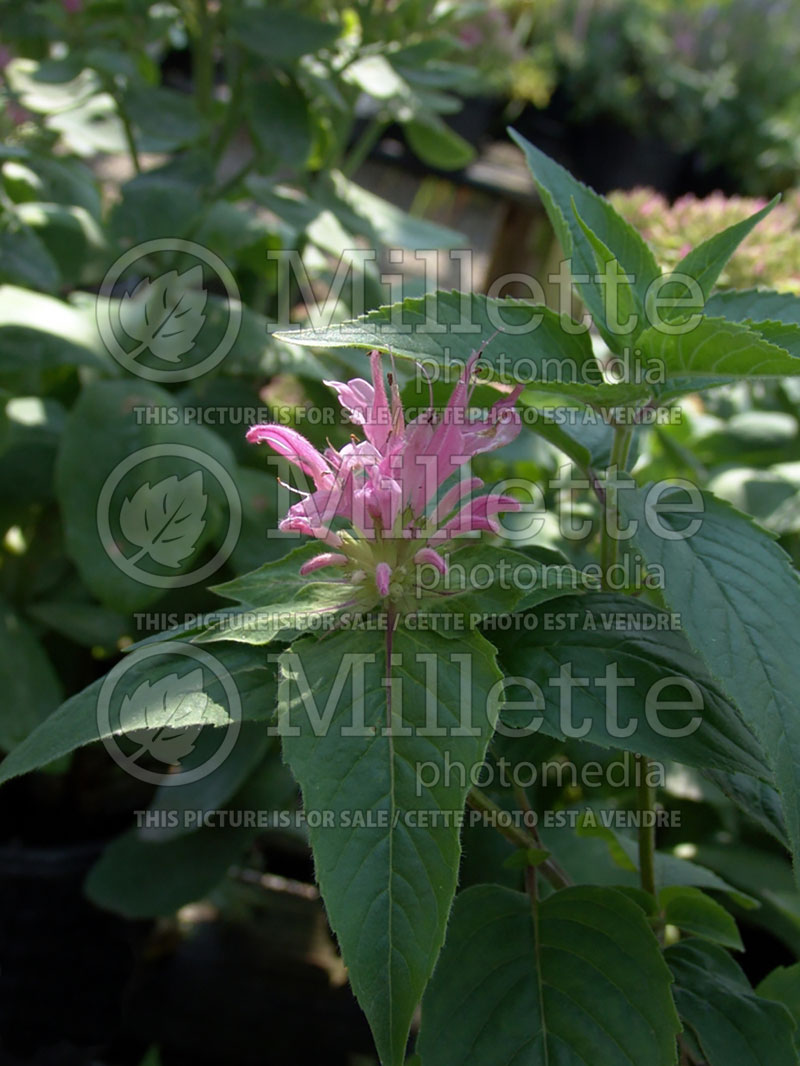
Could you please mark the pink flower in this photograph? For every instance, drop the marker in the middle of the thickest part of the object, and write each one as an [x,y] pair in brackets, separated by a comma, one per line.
[387,488]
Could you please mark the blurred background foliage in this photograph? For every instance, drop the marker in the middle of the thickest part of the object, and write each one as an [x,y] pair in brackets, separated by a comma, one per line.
[324,127]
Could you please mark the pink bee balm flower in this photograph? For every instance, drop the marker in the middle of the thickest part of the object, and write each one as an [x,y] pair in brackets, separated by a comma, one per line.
[388,487]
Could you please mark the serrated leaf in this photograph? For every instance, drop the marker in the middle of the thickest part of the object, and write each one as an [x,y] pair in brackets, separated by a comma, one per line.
[715,351]
[755,305]
[165,520]
[583,982]
[694,912]
[175,703]
[735,590]
[757,799]
[387,885]
[443,329]
[733,1025]
[165,314]
[623,656]
[558,190]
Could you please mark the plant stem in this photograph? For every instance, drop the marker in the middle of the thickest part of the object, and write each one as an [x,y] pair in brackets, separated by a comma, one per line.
[647,834]
[203,57]
[609,548]
[364,145]
[520,838]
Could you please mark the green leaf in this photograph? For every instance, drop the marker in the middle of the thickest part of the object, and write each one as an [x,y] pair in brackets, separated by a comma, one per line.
[559,190]
[783,986]
[437,145]
[736,591]
[280,35]
[163,119]
[755,305]
[278,581]
[694,912]
[71,235]
[134,528]
[30,685]
[716,350]
[362,211]
[24,257]
[757,799]
[38,333]
[149,879]
[481,583]
[79,722]
[590,859]
[387,884]
[706,262]
[81,622]
[733,1025]
[606,666]
[174,809]
[583,982]
[580,432]
[279,119]
[443,329]
[154,206]
[624,308]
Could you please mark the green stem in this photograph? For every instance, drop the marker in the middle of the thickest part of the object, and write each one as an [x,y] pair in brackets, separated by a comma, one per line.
[203,57]
[364,145]
[609,547]
[520,838]
[647,833]
[233,111]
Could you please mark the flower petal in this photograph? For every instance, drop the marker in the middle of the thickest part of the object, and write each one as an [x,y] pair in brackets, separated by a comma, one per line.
[319,561]
[294,446]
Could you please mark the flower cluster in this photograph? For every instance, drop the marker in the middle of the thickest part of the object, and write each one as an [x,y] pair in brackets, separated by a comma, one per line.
[387,487]
[769,256]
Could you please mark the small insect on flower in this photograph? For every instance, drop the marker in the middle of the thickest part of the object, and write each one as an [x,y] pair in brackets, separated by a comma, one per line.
[386,487]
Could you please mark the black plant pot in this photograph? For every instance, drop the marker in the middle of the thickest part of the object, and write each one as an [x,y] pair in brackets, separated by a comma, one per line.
[65,964]
[608,156]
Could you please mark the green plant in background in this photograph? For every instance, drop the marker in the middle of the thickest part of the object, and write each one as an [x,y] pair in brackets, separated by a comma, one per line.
[106,150]
[578,928]
[769,257]
[718,78]
[250,149]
